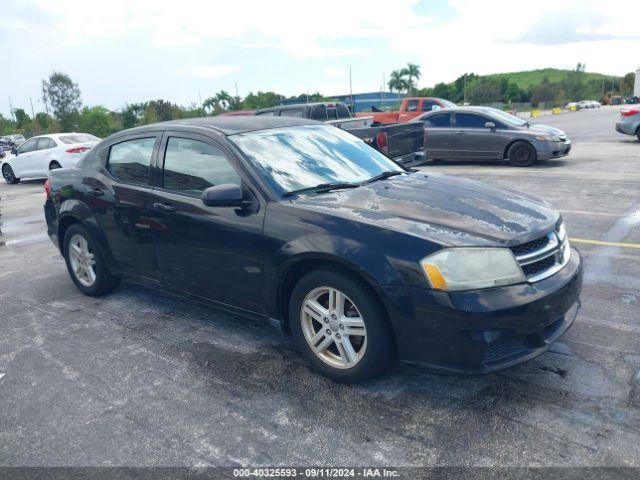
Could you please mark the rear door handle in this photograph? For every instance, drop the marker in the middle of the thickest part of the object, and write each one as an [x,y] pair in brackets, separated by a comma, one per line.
[460,132]
[96,192]
[165,207]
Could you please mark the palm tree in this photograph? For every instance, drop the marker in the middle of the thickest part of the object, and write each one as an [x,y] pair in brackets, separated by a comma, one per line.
[412,74]
[397,81]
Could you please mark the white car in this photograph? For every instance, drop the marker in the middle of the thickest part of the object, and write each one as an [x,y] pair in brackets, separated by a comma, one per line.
[35,157]
[589,104]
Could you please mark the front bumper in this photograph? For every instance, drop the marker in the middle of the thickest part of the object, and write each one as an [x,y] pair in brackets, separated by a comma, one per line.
[484,330]
[549,150]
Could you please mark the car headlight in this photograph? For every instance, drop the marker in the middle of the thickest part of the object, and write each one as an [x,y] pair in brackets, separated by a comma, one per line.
[471,268]
[548,138]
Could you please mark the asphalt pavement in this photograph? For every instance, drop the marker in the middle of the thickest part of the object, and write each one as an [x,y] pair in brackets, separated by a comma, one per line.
[140,378]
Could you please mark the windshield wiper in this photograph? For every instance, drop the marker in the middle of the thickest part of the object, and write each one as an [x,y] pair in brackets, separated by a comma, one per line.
[382,176]
[323,187]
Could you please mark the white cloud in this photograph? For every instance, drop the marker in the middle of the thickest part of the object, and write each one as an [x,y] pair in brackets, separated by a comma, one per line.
[212,71]
[333,72]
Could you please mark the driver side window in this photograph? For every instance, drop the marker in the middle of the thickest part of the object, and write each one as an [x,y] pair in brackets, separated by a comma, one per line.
[192,166]
[28,146]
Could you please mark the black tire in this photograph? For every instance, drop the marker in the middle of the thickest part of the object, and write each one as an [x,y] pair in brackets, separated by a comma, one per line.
[522,154]
[9,176]
[54,165]
[638,133]
[380,344]
[105,282]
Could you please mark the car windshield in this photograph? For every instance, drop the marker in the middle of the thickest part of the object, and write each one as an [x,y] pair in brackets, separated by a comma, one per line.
[78,138]
[294,158]
[506,117]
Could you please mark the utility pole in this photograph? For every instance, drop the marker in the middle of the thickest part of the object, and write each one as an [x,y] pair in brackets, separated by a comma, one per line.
[13,114]
[237,96]
[33,113]
[353,106]
[44,99]
[384,86]
[200,103]
[464,90]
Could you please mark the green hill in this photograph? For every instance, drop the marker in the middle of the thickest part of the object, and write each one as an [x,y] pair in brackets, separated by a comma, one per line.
[531,78]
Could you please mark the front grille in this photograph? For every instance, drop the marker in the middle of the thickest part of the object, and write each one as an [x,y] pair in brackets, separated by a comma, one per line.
[543,256]
[530,246]
[504,349]
[538,267]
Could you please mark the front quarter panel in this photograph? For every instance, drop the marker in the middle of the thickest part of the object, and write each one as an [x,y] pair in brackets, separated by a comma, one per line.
[378,255]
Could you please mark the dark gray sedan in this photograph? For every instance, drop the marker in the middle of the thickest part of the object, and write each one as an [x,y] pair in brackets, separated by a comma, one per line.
[477,133]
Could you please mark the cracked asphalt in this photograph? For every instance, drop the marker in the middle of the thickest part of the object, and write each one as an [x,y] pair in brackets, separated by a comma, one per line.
[140,378]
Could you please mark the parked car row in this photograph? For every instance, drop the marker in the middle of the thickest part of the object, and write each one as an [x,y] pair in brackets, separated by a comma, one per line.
[302,224]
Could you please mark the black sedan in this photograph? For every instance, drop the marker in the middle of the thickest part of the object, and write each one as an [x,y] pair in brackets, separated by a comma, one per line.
[306,226]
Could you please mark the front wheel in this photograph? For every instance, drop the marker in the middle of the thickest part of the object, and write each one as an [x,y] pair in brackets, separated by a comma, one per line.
[85,264]
[9,176]
[340,326]
[522,154]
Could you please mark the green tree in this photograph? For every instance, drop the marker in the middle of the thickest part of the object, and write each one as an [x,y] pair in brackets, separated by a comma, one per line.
[43,120]
[64,97]
[514,93]
[397,82]
[627,83]
[159,111]
[133,114]
[22,119]
[482,91]
[97,121]
[546,91]
[412,74]
[255,101]
[7,125]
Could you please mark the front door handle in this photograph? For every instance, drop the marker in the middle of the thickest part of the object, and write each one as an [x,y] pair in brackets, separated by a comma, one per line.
[460,132]
[96,192]
[165,207]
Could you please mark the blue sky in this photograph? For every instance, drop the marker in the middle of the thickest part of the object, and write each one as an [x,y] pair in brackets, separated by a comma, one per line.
[125,51]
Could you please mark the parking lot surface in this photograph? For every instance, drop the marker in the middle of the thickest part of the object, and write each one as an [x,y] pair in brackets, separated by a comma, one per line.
[141,378]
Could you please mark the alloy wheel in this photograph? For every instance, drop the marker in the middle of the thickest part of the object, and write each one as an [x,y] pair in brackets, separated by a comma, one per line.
[82,260]
[7,173]
[333,327]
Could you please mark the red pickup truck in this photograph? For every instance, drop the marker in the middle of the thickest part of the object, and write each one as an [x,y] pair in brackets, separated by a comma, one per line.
[410,108]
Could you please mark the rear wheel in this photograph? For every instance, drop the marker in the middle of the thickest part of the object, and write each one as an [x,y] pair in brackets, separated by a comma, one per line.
[340,327]
[522,154]
[54,165]
[9,176]
[638,133]
[85,264]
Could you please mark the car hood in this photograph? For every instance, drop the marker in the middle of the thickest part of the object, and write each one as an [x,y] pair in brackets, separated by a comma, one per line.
[445,210]
[547,129]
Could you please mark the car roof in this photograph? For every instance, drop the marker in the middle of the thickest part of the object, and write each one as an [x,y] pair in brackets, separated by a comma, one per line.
[229,125]
[465,109]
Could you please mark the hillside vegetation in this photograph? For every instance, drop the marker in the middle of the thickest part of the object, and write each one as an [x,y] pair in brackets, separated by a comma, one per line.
[550,86]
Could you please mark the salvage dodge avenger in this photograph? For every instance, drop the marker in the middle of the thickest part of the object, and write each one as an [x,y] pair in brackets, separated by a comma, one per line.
[303,224]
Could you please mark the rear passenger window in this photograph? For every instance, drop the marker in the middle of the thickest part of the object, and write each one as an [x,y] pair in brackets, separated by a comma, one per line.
[191,166]
[129,161]
[438,121]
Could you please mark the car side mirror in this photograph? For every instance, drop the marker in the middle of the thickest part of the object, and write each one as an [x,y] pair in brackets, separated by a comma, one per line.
[14,150]
[491,126]
[225,195]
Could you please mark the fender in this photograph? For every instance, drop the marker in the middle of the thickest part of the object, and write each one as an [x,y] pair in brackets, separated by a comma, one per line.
[373,266]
